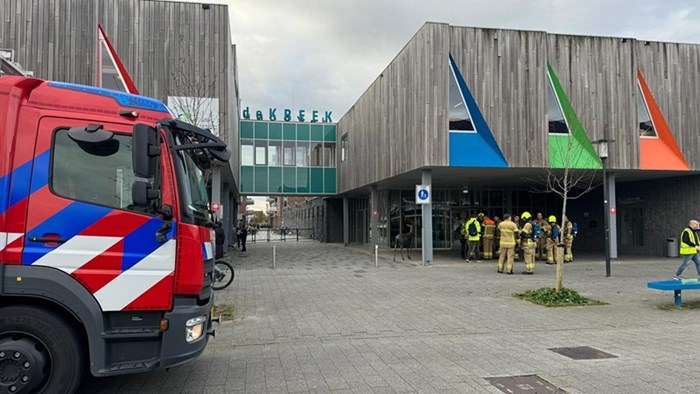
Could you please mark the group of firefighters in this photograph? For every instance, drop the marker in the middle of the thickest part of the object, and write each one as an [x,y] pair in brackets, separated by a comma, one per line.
[483,237]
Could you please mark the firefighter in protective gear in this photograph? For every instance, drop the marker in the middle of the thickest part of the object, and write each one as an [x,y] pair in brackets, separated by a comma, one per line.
[516,220]
[552,239]
[508,230]
[527,243]
[473,230]
[496,236]
[489,227]
[541,246]
[568,240]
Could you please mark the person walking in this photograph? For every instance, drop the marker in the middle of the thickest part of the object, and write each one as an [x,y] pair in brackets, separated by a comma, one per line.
[242,234]
[507,229]
[690,246]
[473,229]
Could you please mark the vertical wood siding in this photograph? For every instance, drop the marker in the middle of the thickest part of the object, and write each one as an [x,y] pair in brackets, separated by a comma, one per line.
[672,72]
[600,79]
[396,125]
[505,71]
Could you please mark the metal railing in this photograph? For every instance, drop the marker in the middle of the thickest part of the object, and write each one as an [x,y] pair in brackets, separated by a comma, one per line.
[280,234]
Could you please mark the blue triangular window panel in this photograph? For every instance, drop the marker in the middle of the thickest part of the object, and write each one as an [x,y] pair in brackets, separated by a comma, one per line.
[471,141]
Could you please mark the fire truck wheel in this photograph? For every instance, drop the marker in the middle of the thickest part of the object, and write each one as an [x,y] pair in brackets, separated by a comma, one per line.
[39,352]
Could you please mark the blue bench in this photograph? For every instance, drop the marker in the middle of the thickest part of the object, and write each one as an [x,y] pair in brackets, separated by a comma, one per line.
[676,286]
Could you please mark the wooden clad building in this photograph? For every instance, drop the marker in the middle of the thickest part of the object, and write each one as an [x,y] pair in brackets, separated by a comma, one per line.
[524,92]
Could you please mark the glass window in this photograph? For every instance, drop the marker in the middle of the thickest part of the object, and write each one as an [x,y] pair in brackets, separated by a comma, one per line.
[193,183]
[316,154]
[302,154]
[329,154]
[95,173]
[646,126]
[247,153]
[274,153]
[344,147]
[289,150]
[260,153]
[555,116]
[459,115]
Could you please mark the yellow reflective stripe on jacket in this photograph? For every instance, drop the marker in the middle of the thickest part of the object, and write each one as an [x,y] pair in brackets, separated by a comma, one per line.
[685,248]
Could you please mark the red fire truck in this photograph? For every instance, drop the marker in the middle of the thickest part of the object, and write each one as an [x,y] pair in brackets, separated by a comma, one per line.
[106,240]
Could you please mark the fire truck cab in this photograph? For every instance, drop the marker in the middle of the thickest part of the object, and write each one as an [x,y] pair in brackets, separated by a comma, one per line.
[106,240]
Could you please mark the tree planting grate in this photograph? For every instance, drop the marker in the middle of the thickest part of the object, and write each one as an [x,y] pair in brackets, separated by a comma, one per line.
[582,353]
[527,384]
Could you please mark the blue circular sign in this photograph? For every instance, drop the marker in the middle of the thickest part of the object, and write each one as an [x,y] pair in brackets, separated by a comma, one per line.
[423,194]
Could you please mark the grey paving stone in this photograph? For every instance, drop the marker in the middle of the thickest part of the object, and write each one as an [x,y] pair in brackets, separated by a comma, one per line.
[315,327]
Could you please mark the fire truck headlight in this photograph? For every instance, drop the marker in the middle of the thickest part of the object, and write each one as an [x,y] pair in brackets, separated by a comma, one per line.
[194,328]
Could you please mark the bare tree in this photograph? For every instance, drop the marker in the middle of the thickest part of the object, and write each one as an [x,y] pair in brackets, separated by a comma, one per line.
[570,178]
[194,101]
[195,97]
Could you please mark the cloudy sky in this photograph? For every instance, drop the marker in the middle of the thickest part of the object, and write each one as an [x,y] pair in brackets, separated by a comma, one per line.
[313,54]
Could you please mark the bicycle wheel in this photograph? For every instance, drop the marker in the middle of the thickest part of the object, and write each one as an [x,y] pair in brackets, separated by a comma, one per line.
[223,275]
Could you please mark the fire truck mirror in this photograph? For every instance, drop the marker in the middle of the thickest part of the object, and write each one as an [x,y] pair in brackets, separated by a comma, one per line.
[145,150]
[142,193]
[92,134]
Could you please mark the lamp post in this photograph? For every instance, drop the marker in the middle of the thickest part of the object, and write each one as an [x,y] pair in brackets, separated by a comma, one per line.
[603,154]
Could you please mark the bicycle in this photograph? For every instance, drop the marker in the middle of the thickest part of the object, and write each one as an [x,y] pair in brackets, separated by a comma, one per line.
[223,275]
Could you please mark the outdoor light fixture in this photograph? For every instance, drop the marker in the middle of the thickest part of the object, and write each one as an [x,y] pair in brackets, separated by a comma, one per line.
[603,154]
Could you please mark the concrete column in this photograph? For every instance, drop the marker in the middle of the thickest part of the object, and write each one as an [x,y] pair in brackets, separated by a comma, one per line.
[427,220]
[346,220]
[613,218]
[216,188]
[225,215]
[374,216]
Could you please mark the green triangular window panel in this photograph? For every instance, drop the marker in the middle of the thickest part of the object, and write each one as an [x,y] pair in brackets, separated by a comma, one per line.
[555,116]
[646,126]
[460,120]
[569,146]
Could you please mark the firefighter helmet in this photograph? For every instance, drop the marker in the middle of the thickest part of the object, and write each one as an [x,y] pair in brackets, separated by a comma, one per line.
[526,215]
[552,219]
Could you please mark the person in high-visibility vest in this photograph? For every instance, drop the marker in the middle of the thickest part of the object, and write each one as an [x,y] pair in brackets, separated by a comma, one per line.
[690,246]
[473,229]
[508,229]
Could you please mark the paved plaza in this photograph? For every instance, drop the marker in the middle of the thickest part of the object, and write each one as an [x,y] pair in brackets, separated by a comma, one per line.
[326,320]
